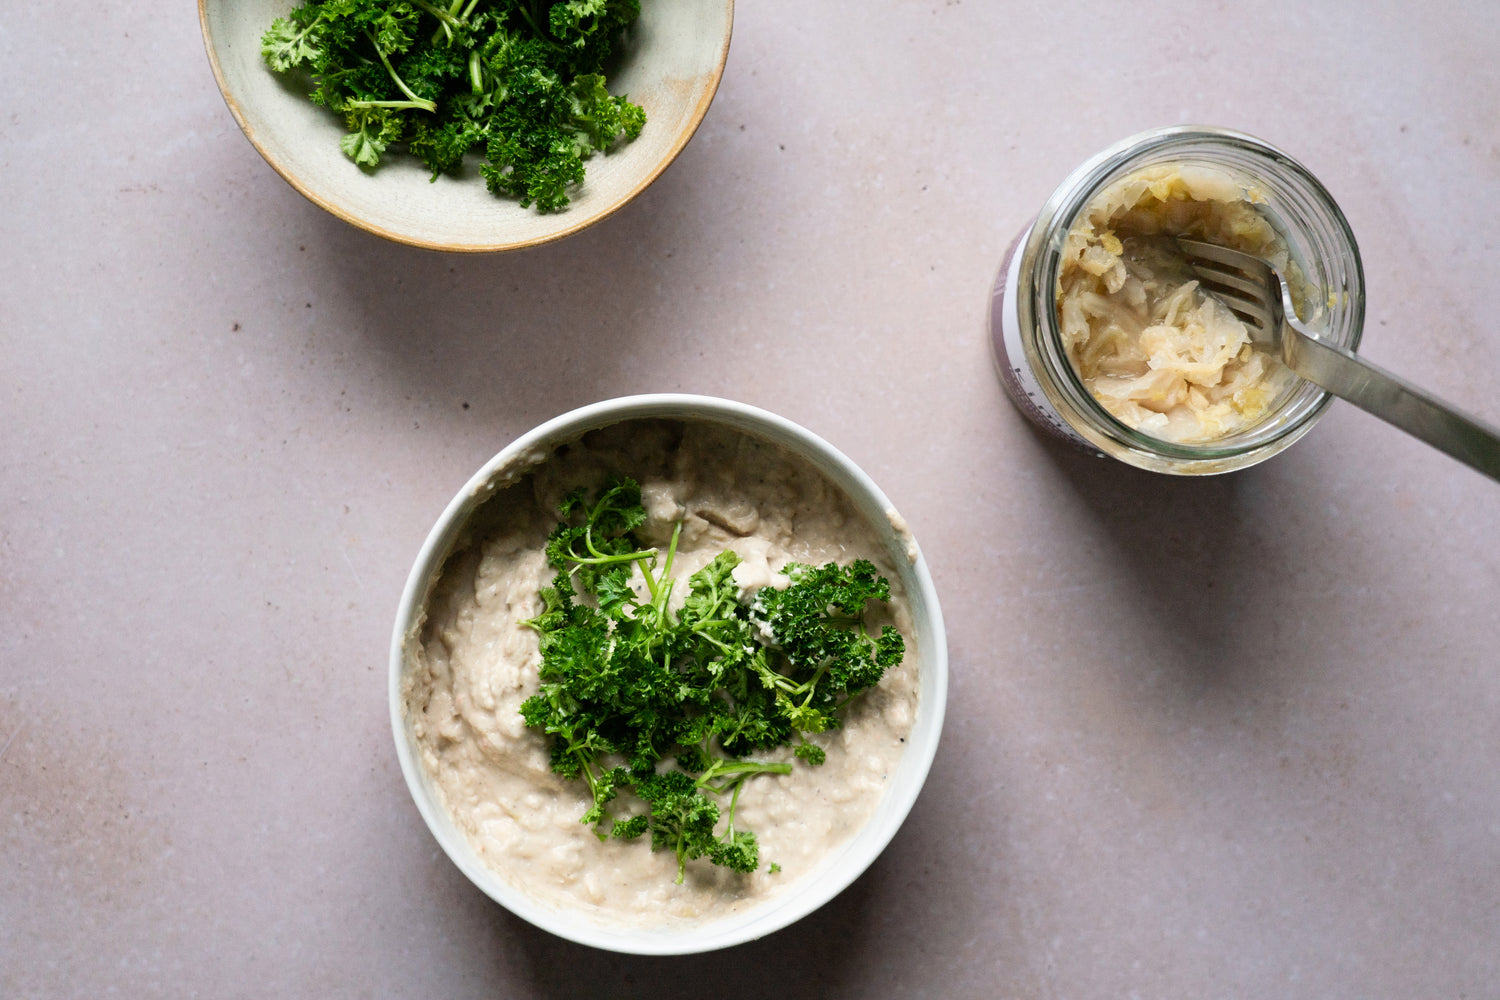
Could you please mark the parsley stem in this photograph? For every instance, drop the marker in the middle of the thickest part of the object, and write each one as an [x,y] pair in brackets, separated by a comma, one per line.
[419,102]
[812,685]
[443,28]
[666,570]
[731,737]
[780,681]
[387,104]
[645,560]
[600,559]
[445,17]
[722,647]
[734,800]
[736,771]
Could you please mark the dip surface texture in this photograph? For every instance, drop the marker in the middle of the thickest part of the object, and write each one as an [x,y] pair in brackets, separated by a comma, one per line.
[1157,353]
[476,664]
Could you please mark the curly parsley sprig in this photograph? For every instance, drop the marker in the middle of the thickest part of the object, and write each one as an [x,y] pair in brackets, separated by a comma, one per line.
[667,704]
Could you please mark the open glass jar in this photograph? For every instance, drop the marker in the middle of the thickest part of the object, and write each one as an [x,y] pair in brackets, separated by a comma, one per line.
[1025,328]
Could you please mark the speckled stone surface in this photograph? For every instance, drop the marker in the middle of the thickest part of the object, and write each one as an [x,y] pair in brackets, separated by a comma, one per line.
[1221,738]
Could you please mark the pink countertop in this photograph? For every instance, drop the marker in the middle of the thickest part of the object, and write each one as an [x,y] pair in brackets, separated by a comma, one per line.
[1224,738]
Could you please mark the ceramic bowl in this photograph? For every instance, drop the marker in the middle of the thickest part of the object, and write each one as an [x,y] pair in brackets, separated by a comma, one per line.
[671,66]
[831,875]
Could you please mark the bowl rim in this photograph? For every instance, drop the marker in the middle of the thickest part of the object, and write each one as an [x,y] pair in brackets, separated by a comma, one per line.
[302,188]
[833,874]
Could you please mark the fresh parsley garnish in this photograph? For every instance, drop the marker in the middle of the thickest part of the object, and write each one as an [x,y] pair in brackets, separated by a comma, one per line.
[668,704]
[521,80]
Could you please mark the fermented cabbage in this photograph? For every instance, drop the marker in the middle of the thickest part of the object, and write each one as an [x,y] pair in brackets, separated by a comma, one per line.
[1155,351]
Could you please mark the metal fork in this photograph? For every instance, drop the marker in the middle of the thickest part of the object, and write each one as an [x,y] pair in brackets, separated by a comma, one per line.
[1253,290]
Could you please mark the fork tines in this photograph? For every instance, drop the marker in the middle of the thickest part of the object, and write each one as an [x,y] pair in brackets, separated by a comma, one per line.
[1242,282]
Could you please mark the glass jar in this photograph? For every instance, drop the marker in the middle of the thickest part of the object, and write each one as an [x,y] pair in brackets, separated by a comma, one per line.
[1025,330]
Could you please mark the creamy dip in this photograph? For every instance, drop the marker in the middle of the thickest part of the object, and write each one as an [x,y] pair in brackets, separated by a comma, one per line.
[1152,348]
[476,664]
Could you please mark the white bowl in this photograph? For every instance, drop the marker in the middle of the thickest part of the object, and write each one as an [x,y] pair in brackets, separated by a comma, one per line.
[847,862]
[671,68]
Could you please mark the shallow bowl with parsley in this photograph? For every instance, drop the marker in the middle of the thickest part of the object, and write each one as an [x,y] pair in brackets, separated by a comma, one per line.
[614,722]
[475,126]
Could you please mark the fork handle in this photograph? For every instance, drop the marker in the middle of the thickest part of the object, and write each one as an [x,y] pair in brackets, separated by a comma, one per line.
[1394,400]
